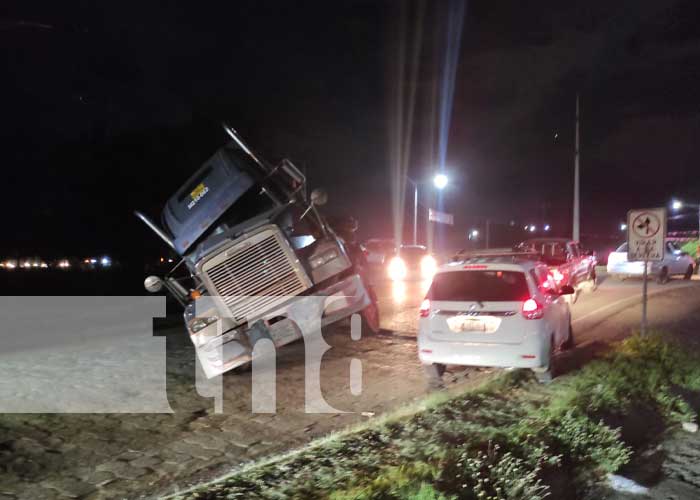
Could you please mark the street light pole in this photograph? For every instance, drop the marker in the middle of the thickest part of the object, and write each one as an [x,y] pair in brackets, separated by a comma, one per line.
[576,235]
[415,213]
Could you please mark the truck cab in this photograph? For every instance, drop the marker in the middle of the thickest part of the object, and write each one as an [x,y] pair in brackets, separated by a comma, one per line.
[252,245]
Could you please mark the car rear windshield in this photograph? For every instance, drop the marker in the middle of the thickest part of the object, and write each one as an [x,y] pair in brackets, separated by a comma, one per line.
[482,286]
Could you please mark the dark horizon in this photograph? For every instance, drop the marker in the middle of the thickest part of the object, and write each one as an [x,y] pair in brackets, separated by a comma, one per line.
[110,108]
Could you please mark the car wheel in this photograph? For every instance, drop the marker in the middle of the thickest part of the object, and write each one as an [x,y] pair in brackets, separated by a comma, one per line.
[688,273]
[593,278]
[546,374]
[433,375]
[662,277]
[569,343]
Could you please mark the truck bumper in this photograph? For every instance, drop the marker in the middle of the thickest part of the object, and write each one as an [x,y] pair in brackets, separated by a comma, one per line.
[219,352]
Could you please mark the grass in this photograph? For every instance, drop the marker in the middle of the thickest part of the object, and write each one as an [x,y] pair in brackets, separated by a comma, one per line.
[509,439]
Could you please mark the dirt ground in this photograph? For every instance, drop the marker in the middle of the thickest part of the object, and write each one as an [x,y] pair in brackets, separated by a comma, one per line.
[95,456]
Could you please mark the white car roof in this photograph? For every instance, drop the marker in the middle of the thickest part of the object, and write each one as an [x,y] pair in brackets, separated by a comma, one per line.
[504,263]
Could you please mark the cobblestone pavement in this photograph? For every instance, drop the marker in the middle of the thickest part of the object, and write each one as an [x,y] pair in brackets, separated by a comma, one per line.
[95,456]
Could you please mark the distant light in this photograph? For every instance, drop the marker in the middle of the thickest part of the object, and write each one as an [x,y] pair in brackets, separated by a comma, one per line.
[546,227]
[473,234]
[93,261]
[170,261]
[677,205]
[105,261]
[440,181]
[623,227]
[35,264]
[162,259]
[533,228]
[44,265]
[526,228]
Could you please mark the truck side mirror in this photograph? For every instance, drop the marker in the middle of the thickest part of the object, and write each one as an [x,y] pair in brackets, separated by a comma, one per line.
[153,284]
[319,197]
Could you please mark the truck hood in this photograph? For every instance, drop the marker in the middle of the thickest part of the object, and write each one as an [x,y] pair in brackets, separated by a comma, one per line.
[205,196]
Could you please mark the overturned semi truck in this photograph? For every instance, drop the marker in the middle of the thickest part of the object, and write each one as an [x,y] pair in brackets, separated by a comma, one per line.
[252,246]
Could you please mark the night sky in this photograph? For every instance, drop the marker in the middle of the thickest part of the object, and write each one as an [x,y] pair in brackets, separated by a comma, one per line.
[109,106]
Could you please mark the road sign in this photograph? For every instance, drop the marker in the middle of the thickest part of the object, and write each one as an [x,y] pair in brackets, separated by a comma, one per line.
[441,217]
[646,234]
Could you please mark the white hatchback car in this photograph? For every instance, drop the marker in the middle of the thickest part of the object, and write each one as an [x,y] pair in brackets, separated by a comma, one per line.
[498,310]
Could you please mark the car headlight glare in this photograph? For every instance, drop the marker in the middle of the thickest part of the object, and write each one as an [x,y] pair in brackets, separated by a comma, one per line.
[397,269]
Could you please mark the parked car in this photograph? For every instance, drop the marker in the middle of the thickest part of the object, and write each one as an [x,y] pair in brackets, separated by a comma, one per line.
[379,250]
[675,262]
[502,311]
[411,262]
[567,261]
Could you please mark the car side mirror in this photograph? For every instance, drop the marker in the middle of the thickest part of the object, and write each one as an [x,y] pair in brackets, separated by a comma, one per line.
[567,290]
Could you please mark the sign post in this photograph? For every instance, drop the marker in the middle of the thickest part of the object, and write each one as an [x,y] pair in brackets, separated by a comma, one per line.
[646,238]
[441,217]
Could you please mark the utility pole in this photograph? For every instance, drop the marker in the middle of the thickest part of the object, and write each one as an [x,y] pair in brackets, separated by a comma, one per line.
[577,227]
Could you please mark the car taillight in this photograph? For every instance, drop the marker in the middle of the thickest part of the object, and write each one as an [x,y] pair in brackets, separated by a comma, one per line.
[532,309]
[558,276]
[424,310]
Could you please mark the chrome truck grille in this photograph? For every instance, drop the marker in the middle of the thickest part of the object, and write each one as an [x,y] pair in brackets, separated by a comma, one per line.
[254,275]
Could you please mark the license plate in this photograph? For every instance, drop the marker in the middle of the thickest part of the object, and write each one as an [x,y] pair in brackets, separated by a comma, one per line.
[477,324]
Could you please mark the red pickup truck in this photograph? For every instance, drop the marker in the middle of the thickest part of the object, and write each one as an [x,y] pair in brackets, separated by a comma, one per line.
[568,263]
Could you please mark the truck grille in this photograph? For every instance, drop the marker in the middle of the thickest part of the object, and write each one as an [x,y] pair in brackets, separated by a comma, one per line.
[255,275]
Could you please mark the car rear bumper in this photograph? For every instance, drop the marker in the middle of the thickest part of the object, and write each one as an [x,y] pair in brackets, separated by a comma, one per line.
[532,352]
[629,268]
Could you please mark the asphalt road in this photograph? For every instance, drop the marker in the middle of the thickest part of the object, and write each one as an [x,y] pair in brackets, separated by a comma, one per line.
[614,306]
[119,455]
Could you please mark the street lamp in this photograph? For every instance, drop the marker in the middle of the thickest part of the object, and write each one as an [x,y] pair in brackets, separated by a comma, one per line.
[440,181]
[678,204]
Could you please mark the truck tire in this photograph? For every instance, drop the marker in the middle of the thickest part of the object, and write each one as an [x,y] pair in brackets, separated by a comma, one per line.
[370,319]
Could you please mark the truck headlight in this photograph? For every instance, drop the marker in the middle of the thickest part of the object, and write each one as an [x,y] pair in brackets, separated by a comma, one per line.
[323,258]
[198,324]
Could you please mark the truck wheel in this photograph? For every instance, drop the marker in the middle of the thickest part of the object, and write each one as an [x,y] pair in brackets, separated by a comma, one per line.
[662,278]
[370,318]
[688,273]
[433,375]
